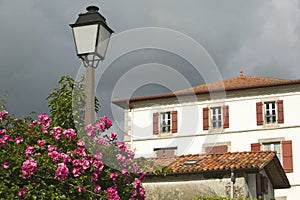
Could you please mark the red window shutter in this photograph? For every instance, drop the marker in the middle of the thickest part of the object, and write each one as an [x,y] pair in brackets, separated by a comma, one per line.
[216,149]
[280,111]
[259,114]
[169,152]
[287,156]
[155,123]
[255,147]
[174,121]
[225,117]
[159,153]
[205,119]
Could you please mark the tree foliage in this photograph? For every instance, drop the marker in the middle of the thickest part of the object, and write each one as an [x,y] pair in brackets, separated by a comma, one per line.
[67,103]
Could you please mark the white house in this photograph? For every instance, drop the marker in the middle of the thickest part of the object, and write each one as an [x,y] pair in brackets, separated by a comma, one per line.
[243,113]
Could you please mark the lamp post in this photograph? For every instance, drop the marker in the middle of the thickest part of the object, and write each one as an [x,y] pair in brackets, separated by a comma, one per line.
[91,35]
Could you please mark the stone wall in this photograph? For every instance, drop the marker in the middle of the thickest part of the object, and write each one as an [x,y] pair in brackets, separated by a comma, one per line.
[187,190]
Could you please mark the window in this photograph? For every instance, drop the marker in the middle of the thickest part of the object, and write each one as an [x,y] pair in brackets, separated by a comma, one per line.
[284,151]
[165,122]
[165,152]
[216,147]
[276,146]
[215,117]
[190,162]
[270,112]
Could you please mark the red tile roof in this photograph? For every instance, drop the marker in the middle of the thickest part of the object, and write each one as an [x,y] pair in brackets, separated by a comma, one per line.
[251,162]
[237,83]
[222,161]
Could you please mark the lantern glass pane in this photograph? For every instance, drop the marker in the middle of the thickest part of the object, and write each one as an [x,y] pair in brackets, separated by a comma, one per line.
[103,40]
[85,38]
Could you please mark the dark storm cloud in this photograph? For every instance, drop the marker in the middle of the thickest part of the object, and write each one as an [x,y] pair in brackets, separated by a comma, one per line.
[36,46]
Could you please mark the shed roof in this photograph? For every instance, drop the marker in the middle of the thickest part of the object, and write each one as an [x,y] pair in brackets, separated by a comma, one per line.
[227,162]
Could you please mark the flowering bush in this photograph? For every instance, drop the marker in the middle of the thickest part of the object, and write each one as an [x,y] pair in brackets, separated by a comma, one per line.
[39,162]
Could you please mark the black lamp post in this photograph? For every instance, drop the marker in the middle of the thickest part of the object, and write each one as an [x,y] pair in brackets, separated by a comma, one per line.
[91,35]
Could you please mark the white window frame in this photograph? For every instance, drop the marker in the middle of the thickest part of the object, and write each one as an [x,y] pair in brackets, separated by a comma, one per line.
[165,122]
[264,142]
[217,122]
[273,146]
[270,113]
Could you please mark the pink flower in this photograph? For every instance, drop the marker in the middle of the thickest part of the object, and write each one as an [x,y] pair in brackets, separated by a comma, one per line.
[5,165]
[2,142]
[41,143]
[22,192]
[70,134]
[76,172]
[113,176]
[29,167]
[90,130]
[85,164]
[81,143]
[31,125]
[54,155]
[113,136]
[101,141]
[51,148]
[97,188]
[29,151]
[7,137]
[121,146]
[80,189]
[112,193]
[62,172]
[2,113]
[100,126]
[130,153]
[98,164]
[2,131]
[107,122]
[45,121]
[121,158]
[98,155]
[65,157]
[95,176]
[19,139]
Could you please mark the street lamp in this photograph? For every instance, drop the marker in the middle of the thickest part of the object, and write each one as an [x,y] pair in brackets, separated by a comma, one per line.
[91,35]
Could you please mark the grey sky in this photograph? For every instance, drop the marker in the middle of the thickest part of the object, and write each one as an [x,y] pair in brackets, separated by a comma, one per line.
[36,45]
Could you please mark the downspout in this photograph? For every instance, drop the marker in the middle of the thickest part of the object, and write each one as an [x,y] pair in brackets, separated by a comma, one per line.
[232,184]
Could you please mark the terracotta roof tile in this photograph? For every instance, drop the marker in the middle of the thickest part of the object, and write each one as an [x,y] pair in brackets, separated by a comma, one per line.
[237,83]
[219,161]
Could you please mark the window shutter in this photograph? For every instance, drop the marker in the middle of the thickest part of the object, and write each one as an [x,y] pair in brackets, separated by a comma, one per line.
[280,111]
[155,123]
[287,156]
[255,147]
[169,152]
[159,153]
[259,114]
[225,117]
[205,119]
[216,149]
[174,121]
